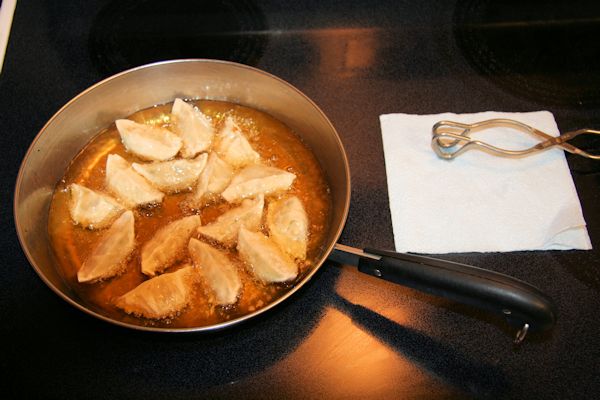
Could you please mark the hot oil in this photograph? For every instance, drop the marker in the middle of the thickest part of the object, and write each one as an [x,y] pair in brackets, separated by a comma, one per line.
[278,147]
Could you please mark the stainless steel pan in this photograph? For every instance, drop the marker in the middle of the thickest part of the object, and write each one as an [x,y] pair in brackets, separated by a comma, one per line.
[79,120]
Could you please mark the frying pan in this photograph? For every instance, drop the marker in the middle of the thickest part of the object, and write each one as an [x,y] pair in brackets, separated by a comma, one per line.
[67,132]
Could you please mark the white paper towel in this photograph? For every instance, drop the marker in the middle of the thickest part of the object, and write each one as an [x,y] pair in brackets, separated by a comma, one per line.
[479,202]
[7,10]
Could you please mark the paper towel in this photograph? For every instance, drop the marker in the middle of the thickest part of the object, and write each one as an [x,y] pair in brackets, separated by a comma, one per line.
[479,202]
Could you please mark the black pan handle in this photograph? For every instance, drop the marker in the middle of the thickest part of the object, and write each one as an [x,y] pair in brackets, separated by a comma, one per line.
[522,304]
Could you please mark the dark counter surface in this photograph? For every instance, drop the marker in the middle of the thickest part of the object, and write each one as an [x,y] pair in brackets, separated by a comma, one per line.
[344,335]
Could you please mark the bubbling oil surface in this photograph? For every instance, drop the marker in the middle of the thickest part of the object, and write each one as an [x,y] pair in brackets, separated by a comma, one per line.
[277,145]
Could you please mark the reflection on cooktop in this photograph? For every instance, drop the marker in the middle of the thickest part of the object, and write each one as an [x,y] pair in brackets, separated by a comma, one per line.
[544,51]
[129,33]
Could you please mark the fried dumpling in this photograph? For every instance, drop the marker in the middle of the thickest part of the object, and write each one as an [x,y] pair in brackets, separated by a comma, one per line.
[288,226]
[194,128]
[148,142]
[91,209]
[225,228]
[173,176]
[168,245]
[110,254]
[266,260]
[257,179]
[217,270]
[161,297]
[213,180]
[233,147]
[129,187]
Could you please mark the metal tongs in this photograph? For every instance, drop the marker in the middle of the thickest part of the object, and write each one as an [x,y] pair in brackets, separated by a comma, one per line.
[450,139]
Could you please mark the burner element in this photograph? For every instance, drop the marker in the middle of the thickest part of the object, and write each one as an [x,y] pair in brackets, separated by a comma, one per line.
[130,33]
[544,51]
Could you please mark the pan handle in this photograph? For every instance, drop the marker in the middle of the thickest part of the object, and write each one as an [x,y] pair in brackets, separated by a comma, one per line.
[522,304]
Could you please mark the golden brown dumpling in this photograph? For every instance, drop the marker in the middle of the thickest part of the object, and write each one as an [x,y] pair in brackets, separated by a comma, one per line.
[173,176]
[168,245]
[129,186]
[233,147]
[213,180]
[258,179]
[148,142]
[194,128]
[91,209]
[161,297]
[288,226]
[265,258]
[225,228]
[110,255]
[217,270]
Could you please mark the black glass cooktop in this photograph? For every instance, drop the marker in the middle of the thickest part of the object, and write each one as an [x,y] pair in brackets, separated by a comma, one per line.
[125,34]
[538,50]
[545,51]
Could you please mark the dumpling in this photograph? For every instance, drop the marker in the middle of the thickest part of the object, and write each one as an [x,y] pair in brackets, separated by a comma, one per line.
[225,228]
[288,226]
[194,128]
[213,180]
[233,147]
[161,297]
[129,187]
[265,258]
[173,176]
[168,245]
[257,179]
[91,209]
[218,271]
[148,142]
[110,255]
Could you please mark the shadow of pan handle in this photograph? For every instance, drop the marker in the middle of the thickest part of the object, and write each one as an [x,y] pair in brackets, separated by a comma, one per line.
[442,361]
[521,304]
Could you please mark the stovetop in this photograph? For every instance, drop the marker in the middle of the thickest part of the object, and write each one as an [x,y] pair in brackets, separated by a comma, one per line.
[345,334]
